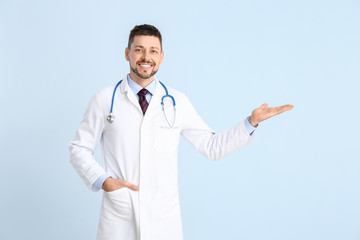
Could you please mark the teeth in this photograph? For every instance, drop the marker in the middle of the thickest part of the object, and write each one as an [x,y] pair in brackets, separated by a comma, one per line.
[145,66]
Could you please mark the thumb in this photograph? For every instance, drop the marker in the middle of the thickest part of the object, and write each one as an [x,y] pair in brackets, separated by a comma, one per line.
[264,106]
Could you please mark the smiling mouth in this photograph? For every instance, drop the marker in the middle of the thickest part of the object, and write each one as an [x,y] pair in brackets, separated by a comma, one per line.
[145,65]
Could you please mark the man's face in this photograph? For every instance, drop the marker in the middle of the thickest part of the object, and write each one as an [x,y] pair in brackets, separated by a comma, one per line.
[144,56]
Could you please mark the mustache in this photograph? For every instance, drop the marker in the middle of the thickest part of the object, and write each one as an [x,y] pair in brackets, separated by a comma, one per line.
[145,62]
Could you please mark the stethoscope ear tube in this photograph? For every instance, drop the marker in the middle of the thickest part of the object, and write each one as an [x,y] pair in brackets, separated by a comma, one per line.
[163,109]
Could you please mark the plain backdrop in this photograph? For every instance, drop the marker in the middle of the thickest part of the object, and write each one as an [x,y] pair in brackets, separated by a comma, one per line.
[299,179]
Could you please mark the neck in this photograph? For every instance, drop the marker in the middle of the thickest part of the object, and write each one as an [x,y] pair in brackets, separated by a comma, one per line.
[142,82]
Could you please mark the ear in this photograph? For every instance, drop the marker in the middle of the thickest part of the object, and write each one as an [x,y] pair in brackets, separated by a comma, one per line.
[162,57]
[127,52]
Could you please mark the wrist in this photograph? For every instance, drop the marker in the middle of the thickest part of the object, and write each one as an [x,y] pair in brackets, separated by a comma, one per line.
[106,182]
[254,124]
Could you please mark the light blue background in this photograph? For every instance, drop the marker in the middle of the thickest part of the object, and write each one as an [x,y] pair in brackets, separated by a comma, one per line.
[299,180]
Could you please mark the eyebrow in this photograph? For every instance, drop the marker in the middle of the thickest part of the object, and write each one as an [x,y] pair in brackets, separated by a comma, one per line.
[139,46]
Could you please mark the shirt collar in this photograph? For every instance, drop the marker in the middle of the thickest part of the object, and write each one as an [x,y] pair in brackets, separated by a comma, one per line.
[136,87]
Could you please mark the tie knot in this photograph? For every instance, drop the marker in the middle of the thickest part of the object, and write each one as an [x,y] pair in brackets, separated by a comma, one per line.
[143,92]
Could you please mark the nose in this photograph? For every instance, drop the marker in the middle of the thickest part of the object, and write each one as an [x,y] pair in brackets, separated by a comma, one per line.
[145,56]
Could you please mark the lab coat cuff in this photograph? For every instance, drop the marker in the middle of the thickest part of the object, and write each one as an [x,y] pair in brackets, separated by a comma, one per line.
[99,182]
[249,128]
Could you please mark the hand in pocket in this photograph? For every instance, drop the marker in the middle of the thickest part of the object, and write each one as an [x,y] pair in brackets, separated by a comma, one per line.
[111,184]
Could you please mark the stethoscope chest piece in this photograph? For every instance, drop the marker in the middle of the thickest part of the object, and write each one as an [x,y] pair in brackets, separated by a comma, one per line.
[110,118]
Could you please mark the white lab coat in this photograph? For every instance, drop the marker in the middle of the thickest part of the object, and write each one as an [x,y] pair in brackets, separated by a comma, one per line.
[143,150]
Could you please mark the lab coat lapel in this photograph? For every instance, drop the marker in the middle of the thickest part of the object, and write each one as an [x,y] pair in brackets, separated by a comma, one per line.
[125,89]
[155,100]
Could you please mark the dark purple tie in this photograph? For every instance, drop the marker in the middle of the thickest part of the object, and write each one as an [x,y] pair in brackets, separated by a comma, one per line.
[142,100]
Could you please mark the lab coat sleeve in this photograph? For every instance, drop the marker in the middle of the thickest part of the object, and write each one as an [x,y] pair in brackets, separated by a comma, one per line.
[84,144]
[214,146]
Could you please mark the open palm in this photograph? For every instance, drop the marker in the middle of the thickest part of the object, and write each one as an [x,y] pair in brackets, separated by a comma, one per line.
[264,112]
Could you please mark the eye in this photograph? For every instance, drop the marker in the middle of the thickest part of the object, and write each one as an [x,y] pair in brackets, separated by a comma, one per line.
[154,51]
[137,50]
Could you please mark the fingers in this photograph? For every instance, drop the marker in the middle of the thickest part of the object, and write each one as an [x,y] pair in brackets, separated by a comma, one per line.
[119,183]
[131,186]
[286,107]
[280,108]
[289,106]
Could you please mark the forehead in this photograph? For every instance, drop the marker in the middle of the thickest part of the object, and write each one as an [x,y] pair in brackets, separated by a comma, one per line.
[146,41]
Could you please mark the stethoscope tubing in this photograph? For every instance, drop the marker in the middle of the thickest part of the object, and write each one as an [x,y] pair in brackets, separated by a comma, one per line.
[113,96]
[167,95]
[111,117]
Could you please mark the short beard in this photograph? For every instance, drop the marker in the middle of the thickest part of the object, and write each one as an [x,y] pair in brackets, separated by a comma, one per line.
[142,76]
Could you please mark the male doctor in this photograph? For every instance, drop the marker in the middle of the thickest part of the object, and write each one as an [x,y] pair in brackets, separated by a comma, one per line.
[139,148]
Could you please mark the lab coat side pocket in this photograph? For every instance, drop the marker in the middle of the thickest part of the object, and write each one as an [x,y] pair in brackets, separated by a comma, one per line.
[117,205]
[166,138]
[117,221]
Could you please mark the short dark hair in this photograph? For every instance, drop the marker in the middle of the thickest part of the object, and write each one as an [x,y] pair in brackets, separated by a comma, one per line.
[145,30]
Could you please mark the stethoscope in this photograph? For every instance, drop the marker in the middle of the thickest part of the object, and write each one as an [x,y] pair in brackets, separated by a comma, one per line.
[111,117]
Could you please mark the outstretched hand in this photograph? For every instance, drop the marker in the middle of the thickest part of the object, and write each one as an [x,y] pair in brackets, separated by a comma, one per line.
[264,112]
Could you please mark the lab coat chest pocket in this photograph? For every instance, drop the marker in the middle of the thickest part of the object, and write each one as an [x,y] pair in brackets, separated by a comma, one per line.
[166,138]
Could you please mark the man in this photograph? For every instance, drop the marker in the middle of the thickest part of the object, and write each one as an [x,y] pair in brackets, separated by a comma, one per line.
[139,142]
